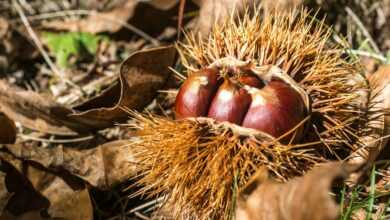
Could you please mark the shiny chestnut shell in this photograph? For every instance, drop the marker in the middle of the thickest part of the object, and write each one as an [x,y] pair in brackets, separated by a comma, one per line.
[275,109]
[230,103]
[196,93]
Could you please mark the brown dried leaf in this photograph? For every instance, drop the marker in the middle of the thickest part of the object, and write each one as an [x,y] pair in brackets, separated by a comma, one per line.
[281,4]
[102,167]
[301,198]
[35,189]
[379,118]
[36,112]
[7,130]
[141,76]
[98,22]
[110,21]
[215,11]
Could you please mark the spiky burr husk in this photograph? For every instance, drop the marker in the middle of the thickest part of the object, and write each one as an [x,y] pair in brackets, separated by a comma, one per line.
[201,165]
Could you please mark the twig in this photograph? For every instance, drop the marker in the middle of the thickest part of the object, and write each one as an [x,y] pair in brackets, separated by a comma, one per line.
[363,29]
[145,205]
[139,215]
[80,12]
[180,18]
[367,54]
[57,141]
[39,45]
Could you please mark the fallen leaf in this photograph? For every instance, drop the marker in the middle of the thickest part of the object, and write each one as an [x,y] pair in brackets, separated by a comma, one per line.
[284,5]
[141,76]
[301,198]
[110,21]
[36,112]
[97,22]
[379,119]
[102,167]
[216,11]
[7,130]
[37,192]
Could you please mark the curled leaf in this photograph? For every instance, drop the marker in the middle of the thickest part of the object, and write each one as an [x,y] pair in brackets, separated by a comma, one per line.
[301,198]
[141,76]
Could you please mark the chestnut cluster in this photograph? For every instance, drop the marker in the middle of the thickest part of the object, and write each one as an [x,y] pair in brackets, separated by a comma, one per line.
[271,106]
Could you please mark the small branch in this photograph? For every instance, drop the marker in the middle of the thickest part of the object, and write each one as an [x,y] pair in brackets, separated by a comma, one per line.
[367,54]
[56,141]
[145,205]
[363,29]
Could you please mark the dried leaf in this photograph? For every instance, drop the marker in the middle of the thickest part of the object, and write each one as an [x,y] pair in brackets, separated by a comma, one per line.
[98,22]
[163,4]
[301,198]
[102,167]
[379,118]
[110,21]
[215,11]
[381,83]
[281,4]
[36,112]
[141,76]
[7,130]
[35,189]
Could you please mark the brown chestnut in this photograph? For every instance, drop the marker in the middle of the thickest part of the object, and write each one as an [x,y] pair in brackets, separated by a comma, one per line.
[230,103]
[275,109]
[196,93]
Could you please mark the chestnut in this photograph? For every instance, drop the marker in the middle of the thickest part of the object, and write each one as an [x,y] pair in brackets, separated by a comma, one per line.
[275,109]
[196,93]
[230,103]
